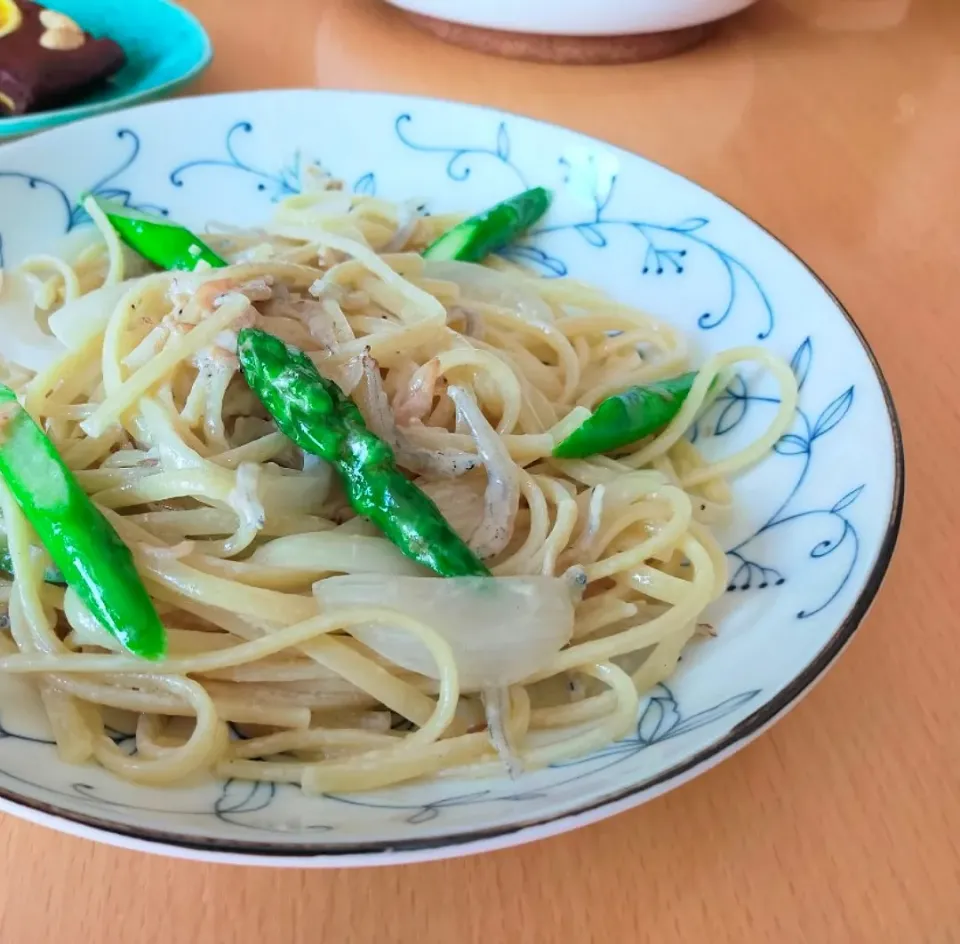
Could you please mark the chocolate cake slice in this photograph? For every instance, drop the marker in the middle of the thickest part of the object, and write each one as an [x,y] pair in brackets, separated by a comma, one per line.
[47,60]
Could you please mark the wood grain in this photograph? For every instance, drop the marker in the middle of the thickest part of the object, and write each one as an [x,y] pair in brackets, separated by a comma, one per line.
[834,123]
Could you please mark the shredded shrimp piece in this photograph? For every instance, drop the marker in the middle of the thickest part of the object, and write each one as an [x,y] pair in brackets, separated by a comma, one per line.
[502,498]
[245,498]
[496,703]
[372,400]
[211,293]
[594,520]
[416,400]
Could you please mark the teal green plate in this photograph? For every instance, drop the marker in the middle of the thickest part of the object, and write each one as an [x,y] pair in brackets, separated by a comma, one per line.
[166,47]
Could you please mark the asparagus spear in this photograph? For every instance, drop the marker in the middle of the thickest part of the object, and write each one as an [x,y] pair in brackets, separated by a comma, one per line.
[84,547]
[475,238]
[626,417]
[320,419]
[171,246]
[165,244]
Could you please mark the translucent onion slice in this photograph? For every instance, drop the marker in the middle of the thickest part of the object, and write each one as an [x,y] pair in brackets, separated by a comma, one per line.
[408,215]
[87,315]
[501,629]
[24,341]
[339,552]
[479,284]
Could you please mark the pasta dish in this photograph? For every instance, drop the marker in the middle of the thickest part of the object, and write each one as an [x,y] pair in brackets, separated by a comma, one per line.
[347,500]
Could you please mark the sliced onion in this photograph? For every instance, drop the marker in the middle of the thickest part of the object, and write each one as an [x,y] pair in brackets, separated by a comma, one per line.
[320,324]
[408,215]
[341,551]
[81,319]
[501,629]
[480,284]
[350,375]
[24,342]
[363,527]
[372,400]
[502,498]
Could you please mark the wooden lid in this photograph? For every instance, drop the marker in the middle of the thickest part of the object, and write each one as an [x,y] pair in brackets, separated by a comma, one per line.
[573,50]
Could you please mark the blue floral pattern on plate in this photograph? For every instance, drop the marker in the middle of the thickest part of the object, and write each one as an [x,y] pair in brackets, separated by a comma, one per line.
[108,187]
[239,802]
[801,549]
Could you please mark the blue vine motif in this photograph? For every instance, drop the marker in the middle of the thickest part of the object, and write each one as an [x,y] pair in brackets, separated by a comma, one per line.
[366,186]
[6,733]
[660,720]
[536,258]
[665,245]
[36,183]
[664,252]
[238,798]
[459,166]
[729,410]
[106,188]
[283,183]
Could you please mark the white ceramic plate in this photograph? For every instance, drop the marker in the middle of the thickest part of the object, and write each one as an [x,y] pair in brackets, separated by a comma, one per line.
[816,522]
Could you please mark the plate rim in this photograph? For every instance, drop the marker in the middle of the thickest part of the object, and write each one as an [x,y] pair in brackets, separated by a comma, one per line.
[459,843]
[13,127]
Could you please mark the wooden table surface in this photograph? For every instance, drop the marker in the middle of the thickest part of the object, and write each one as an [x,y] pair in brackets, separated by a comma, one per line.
[836,123]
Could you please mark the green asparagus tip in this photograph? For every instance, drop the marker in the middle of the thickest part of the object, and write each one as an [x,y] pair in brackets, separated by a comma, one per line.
[149,646]
[84,547]
[161,241]
[479,236]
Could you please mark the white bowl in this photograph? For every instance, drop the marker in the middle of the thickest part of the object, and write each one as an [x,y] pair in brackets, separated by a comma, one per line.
[816,522]
[574,17]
